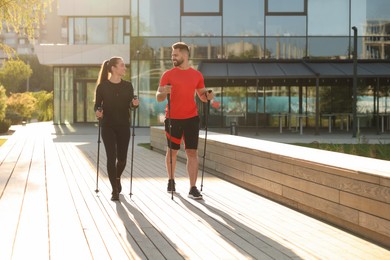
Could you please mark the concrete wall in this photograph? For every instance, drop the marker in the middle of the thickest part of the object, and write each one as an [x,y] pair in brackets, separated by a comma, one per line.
[351,192]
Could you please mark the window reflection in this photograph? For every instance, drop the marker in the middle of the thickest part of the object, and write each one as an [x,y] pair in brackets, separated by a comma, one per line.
[336,47]
[159,18]
[378,9]
[96,30]
[285,6]
[243,48]
[286,26]
[328,18]
[248,20]
[286,47]
[80,31]
[201,26]
[204,48]
[118,30]
[99,30]
[201,6]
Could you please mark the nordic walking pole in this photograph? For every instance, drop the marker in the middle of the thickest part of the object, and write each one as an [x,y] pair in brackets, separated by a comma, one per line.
[205,139]
[132,150]
[98,153]
[133,134]
[170,136]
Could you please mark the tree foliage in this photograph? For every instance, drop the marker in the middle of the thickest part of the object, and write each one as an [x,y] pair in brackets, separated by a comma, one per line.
[44,105]
[42,75]
[21,105]
[3,102]
[22,16]
[13,73]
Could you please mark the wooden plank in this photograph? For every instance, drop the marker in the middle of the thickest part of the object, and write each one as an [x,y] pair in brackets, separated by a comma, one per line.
[12,199]
[230,222]
[67,238]
[10,154]
[114,236]
[32,240]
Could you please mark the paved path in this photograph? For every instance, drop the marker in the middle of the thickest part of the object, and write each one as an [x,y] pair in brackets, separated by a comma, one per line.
[49,209]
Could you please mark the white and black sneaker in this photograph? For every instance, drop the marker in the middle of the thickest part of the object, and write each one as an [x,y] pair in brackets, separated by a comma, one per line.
[171,186]
[195,193]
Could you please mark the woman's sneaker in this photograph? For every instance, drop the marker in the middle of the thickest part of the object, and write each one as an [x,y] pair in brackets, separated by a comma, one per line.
[171,186]
[195,194]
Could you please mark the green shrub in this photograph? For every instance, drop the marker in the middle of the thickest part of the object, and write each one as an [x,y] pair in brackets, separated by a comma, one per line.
[20,106]
[4,125]
[3,102]
[44,106]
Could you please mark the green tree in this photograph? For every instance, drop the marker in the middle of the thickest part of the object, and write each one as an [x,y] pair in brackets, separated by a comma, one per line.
[42,75]
[13,73]
[3,103]
[23,17]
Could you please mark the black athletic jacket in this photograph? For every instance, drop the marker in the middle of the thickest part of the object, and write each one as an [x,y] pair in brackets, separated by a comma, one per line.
[116,100]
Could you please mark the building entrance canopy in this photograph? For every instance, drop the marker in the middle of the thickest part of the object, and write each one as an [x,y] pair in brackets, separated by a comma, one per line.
[274,73]
[287,72]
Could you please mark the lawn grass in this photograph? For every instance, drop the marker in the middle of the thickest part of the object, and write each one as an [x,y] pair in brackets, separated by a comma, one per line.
[377,151]
[145,145]
[2,141]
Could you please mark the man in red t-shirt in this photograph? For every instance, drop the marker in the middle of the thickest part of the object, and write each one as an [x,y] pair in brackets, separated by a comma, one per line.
[180,84]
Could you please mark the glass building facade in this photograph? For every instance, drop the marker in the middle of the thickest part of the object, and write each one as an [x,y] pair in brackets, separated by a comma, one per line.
[233,30]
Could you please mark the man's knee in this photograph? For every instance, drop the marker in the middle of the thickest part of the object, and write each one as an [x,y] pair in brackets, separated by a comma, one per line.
[191,153]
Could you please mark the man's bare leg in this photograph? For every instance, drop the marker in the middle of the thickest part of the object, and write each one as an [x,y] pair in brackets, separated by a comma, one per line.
[192,165]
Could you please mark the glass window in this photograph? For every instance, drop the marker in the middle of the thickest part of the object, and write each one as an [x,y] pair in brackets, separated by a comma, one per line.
[329,17]
[57,96]
[201,26]
[204,48]
[135,17]
[127,26]
[159,18]
[248,20]
[328,47]
[71,31]
[286,47]
[118,30]
[358,15]
[286,6]
[243,48]
[286,26]
[378,9]
[201,6]
[99,30]
[153,48]
[80,31]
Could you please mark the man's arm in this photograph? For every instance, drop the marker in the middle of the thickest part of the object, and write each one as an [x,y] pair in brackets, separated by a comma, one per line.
[205,95]
[162,92]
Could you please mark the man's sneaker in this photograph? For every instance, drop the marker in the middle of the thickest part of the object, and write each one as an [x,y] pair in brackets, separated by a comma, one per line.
[171,186]
[195,194]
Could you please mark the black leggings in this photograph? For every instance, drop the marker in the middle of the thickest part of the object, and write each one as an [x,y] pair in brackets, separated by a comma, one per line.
[116,142]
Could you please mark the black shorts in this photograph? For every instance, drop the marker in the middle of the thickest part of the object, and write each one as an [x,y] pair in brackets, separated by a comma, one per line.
[186,129]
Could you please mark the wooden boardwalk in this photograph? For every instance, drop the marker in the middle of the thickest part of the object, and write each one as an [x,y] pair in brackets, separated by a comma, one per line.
[49,209]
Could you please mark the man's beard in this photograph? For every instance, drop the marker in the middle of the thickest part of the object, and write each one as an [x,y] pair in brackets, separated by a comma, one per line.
[177,63]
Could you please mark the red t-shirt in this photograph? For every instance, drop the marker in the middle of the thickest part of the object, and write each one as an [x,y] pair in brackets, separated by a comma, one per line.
[184,84]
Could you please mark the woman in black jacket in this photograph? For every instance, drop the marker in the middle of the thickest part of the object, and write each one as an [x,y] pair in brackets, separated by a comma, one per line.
[114,98]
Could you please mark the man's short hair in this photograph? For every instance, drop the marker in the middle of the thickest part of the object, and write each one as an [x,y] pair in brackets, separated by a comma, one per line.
[181,46]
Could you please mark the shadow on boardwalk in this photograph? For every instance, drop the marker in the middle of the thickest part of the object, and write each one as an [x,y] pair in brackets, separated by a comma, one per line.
[49,209]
